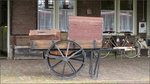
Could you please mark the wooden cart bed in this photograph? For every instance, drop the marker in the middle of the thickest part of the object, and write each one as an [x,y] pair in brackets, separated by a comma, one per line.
[85,31]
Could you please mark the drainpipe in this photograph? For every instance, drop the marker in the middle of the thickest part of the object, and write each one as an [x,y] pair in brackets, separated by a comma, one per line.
[148,19]
[9,54]
[75,8]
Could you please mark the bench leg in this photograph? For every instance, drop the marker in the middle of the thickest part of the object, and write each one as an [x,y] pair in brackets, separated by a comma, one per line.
[115,54]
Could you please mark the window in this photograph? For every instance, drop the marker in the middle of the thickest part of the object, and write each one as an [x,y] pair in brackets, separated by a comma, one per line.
[126,15]
[107,12]
[45,3]
[126,4]
[66,4]
[41,3]
[126,21]
[50,3]
[118,15]
[55,13]
[45,14]
[65,10]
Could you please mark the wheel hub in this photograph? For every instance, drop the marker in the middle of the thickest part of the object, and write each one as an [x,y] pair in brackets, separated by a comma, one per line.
[65,59]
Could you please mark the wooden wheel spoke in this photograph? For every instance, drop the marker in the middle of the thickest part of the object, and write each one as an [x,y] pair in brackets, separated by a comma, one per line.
[63,71]
[55,56]
[75,53]
[76,61]
[65,59]
[67,48]
[56,64]
[71,67]
[75,56]
[59,50]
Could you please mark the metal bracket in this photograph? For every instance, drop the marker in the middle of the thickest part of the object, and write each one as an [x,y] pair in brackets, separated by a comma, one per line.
[94,43]
[53,41]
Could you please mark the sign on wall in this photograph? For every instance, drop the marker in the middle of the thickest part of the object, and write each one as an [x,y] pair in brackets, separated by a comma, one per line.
[142,27]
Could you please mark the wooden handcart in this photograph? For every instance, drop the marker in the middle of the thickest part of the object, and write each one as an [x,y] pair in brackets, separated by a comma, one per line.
[66,58]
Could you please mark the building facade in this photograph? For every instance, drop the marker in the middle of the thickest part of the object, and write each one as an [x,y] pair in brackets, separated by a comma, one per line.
[119,16]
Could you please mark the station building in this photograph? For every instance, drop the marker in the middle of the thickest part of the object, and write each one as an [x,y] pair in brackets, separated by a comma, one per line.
[18,17]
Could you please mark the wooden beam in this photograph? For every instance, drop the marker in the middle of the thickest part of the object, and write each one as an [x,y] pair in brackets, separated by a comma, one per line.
[45,44]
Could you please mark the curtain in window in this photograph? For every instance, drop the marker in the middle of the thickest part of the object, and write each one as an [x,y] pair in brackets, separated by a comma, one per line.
[108,16]
[45,19]
[65,10]
[64,19]
[126,22]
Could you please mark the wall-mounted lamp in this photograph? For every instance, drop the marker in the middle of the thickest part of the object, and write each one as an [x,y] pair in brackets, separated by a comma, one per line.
[89,11]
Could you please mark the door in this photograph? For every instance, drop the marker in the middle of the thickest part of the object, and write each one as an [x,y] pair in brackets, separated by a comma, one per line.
[3,28]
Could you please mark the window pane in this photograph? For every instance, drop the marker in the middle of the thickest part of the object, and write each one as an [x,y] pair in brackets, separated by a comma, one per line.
[66,4]
[107,4]
[64,13]
[45,3]
[126,21]
[41,3]
[108,17]
[45,14]
[45,19]
[126,15]
[50,3]
[107,12]
[126,4]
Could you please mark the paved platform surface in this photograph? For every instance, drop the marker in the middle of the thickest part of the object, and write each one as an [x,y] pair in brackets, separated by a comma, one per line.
[112,71]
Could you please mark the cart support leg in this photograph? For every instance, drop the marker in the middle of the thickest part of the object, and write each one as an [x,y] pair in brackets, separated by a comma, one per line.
[91,65]
[44,54]
[97,64]
[94,73]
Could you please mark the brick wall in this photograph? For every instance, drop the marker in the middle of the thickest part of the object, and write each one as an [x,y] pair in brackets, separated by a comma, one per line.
[23,16]
[83,5]
[140,14]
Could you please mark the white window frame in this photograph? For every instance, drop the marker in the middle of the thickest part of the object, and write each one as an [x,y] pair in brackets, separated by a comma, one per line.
[56,13]
[117,18]
[38,14]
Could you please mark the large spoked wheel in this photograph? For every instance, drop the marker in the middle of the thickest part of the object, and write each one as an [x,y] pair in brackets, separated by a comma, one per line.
[107,49]
[65,59]
[132,48]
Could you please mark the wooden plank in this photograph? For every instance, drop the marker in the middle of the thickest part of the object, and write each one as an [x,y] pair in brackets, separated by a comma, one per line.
[44,34]
[85,28]
[63,35]
[125,48]
[22,41]
[41,44]
[89,43]
[45,44]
